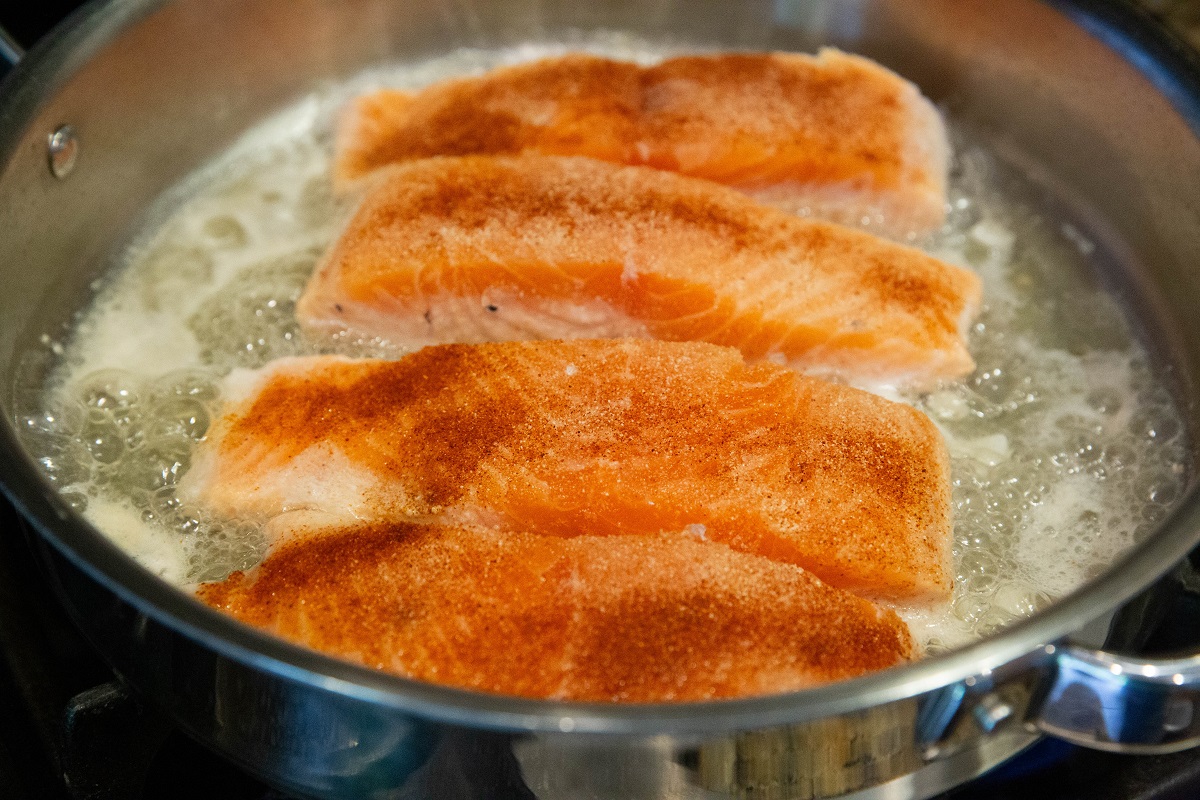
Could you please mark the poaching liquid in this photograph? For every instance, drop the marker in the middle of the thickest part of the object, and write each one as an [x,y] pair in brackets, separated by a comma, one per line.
[1065,447]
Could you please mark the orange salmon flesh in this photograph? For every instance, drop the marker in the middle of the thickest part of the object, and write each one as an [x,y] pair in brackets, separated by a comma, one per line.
[835,136]
[632,619]
[613,470]
[600,438]
[489,248]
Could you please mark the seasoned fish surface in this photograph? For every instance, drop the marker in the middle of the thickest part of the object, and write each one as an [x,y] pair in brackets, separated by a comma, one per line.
[600,438]
[490,249]
[835,135]
[634,619]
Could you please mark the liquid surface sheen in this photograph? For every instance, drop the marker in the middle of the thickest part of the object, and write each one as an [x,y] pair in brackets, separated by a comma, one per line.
[1065,448]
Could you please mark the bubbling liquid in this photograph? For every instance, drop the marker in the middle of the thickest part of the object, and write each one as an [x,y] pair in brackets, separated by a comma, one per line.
[1065,448]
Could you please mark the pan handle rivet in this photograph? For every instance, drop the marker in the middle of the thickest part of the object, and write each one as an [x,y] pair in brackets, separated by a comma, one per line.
[63,149]
[990,712]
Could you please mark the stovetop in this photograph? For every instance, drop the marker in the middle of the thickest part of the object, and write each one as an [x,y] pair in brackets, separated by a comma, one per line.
[70,730]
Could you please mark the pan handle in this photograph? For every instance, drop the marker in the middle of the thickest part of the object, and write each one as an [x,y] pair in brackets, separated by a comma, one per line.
[1122,704]
[1092,698]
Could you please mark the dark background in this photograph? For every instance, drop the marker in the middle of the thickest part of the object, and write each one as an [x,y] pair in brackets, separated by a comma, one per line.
[28,20]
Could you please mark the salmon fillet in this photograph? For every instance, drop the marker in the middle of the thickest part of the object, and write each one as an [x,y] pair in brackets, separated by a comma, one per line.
[596,437]
[835,135]
[488,249]
[633,619]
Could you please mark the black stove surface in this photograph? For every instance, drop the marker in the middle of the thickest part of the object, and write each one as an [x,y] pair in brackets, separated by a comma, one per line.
[69,730]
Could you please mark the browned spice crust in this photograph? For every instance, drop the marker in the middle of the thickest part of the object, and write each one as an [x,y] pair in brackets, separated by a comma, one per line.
[637,619]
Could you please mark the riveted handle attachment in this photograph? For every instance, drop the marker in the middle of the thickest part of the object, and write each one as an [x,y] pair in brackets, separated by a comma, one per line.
[1120,703]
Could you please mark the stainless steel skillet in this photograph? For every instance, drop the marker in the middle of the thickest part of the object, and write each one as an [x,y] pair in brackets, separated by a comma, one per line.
[1106,106]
